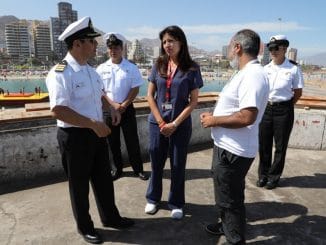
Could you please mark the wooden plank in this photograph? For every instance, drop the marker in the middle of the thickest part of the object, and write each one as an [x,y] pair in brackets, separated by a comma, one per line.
[37,106]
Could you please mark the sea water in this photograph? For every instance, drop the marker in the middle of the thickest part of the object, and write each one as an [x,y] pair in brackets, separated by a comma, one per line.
[15,86]
[30,85]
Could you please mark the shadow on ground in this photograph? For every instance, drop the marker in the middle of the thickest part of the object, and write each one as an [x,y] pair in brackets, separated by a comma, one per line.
[163,230]
[316,181]
[304,229]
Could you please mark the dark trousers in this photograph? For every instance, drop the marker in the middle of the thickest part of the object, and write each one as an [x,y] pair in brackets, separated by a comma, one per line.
[84,158]
[214,175]
[276,124]
[176,147]
[230,171]
[128,125]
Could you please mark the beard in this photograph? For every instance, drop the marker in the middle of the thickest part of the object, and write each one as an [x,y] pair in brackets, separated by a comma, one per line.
[234,63]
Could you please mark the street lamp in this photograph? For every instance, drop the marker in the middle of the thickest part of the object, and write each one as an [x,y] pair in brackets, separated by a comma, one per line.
[280,20]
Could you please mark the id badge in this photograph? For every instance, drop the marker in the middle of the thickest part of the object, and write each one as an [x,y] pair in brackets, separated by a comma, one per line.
[166,106]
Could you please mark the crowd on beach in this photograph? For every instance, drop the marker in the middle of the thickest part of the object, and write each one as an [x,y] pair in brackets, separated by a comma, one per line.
[22,75]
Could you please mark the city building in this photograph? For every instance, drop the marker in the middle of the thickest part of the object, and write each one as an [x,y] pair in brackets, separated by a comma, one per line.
[42,40]
[225,51]
[136,53]
[66,15]
[18,41]
[55,31]
[156,52]
[292,54]
[265,56]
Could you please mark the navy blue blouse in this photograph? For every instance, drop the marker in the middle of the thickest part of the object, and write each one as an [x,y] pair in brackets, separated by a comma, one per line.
[182,85]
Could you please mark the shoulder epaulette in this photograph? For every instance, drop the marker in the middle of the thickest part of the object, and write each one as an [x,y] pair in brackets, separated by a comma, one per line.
[293,62]
[132,62]
[61,66]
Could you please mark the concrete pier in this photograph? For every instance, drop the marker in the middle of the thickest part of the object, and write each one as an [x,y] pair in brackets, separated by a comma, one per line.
[292,214]
[35,206]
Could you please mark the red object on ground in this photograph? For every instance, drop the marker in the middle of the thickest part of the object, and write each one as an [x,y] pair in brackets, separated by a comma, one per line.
[18,95]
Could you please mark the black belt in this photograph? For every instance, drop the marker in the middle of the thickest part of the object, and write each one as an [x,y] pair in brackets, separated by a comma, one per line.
[277,103]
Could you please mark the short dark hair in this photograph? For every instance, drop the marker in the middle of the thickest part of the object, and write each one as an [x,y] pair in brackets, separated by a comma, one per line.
[249,41]
[69,44]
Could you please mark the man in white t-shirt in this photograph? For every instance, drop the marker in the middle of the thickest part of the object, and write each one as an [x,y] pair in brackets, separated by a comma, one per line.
[234,124]
[122,80]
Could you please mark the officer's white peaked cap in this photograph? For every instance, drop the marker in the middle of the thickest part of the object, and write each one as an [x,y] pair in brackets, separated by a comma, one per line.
[82,28]
[278,40]
[107,36]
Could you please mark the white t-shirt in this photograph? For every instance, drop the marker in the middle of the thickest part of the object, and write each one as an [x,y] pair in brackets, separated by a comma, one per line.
[248,88]
[282,80]
[119,79]
[77,87]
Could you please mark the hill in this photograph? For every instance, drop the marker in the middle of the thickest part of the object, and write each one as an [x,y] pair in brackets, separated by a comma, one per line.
[317,59]
[151,43]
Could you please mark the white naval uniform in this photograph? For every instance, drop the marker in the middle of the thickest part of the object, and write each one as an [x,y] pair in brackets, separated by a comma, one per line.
[282,80]
[78,87]
[119,79]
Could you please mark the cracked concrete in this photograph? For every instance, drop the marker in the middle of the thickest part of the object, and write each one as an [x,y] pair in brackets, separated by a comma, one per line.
[9,222]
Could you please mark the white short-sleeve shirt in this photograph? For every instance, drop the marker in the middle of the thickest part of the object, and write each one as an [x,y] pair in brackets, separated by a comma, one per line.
[119,79]
[248,88]
[282,80]
[77,87]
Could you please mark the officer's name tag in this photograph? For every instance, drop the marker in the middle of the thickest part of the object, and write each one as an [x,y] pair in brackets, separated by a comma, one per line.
[166,106]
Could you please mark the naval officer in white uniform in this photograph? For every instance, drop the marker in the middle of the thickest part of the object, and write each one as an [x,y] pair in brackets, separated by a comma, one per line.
[122,80]
[75,91]
[286,83]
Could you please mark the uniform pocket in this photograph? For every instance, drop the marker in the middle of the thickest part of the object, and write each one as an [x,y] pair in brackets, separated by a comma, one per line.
[81,90]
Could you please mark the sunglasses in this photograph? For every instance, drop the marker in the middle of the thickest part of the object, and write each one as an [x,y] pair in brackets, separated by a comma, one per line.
[277,48]
[91,40]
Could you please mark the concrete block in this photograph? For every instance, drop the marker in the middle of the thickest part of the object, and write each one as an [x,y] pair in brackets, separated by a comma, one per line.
[308,130]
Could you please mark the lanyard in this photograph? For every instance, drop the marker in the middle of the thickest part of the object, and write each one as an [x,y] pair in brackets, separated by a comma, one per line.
[169,82]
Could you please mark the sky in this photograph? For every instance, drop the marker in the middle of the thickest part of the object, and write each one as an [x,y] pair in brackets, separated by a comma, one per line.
[208,24]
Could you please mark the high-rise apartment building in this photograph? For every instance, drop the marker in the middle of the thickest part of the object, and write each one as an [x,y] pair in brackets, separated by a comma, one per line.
[265,56]
[55,31]
[292,54]
[58,25]
[42,41]
[18,41]
[225,51]
[136,53]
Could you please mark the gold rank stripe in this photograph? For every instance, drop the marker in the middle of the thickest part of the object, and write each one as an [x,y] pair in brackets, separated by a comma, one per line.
[60,68]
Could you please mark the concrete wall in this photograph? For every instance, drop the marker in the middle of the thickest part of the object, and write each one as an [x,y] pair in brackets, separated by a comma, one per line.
[30,153]
[309,130]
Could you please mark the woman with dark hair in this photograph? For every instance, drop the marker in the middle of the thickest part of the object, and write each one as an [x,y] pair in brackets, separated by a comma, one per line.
[172,95]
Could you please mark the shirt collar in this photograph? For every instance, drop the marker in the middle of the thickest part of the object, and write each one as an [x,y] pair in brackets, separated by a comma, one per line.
[254,61]
[72,62]
[122,63]
[285,62]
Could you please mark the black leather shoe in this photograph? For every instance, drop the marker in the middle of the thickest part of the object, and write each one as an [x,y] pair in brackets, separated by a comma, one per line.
[215,229]
[92,237]
[261,182]
[116,174]
[142,176]
[122,223]
[271,185]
